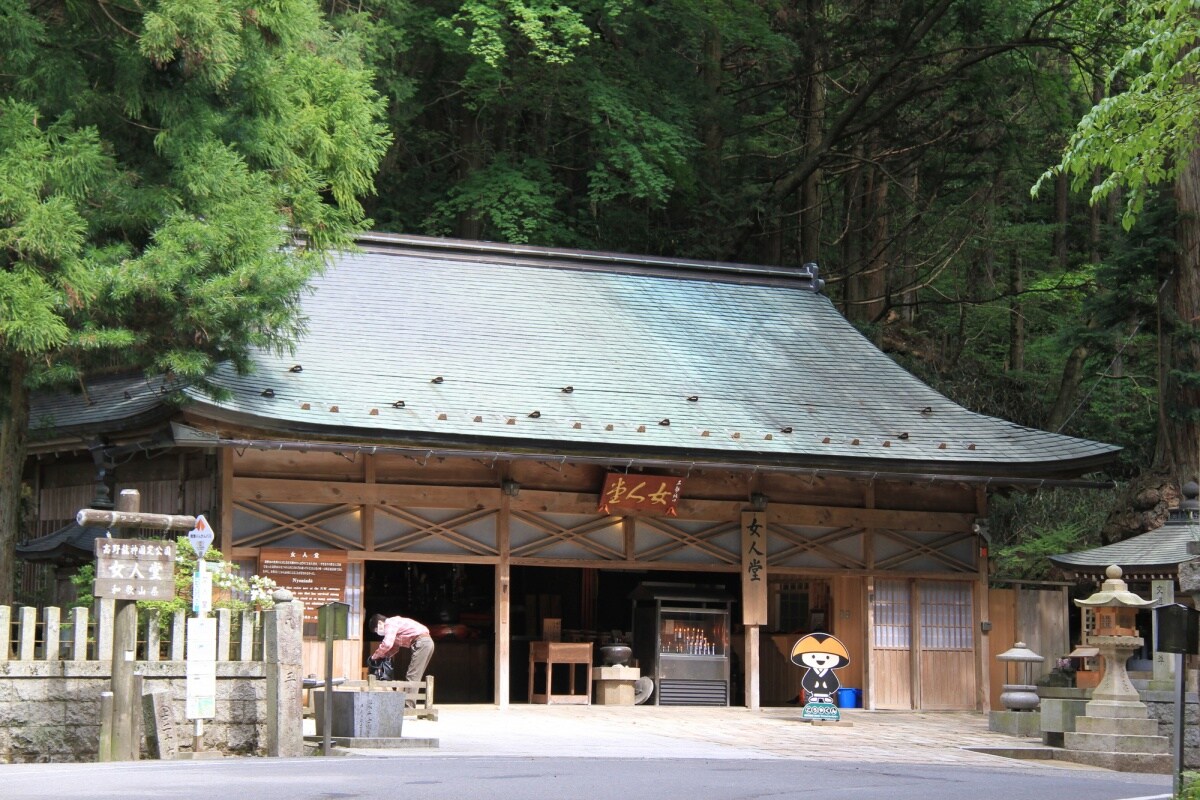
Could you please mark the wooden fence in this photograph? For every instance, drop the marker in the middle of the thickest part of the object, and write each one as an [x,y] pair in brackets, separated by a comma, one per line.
[79,635]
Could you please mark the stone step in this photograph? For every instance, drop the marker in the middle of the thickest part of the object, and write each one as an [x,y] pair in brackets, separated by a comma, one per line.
[1116,709]
[1160,764]
[1117,727]
[1103,742]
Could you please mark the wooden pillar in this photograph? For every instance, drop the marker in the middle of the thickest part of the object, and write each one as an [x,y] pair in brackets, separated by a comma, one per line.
[503,603]
[869,624]
[51,633]
[914,651]
[124,658]
[754,598]
[753,662]
[983,650]
[368,509]
[225,479]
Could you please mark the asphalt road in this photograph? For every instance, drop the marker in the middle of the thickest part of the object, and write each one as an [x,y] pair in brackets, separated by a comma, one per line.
[444,777]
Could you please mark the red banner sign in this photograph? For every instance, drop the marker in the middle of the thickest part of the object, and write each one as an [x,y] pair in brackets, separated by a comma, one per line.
[655,494]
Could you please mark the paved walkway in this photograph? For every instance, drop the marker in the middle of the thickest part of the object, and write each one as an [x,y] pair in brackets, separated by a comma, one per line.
[713,733]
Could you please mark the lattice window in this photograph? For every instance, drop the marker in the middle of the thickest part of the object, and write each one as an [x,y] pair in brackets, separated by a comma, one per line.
[790,606]
[947,621]
[893,614]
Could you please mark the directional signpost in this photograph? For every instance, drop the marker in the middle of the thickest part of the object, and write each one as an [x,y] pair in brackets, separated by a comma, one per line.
[202,640]
[201,536]
[129,571]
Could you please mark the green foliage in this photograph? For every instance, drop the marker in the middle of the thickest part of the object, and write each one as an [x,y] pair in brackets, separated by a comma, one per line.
[1144,132]
[154,163]
[84,581]
[511,199]
[157,162]
[1028,528]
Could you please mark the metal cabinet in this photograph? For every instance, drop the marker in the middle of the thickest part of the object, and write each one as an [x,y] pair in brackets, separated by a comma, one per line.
[681,641]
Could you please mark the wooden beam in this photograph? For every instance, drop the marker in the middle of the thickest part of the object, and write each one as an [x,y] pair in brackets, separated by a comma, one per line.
[282,490]
[129,519]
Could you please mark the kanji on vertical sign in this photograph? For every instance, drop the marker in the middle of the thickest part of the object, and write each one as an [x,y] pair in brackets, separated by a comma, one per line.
[754,569]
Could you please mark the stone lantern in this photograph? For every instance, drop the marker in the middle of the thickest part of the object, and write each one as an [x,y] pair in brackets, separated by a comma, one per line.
[1019,696]
[1116,731]
[1115,635]
[1020,691]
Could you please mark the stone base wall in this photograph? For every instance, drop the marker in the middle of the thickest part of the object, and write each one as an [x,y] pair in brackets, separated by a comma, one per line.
[1161,707]
[50,710]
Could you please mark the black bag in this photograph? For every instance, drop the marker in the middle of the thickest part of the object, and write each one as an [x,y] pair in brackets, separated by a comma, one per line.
[382,669]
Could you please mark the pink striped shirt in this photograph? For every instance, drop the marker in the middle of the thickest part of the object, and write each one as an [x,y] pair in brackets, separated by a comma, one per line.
[398,632]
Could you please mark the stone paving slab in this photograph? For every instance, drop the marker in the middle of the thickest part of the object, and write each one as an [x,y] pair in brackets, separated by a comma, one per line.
[537,731]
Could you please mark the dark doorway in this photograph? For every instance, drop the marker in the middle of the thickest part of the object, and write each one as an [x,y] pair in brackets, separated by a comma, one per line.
[455,601]
[592,605]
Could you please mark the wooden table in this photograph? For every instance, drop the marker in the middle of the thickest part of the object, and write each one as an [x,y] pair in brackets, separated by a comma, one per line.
[572,654]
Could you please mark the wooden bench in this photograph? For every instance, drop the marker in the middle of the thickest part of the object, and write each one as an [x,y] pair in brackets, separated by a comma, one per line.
[419,692]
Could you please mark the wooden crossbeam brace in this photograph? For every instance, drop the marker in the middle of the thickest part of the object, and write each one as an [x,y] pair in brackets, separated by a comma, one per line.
[930,549]
[439,530]
[682,539]
[558,534]
[819,544]
[284,525]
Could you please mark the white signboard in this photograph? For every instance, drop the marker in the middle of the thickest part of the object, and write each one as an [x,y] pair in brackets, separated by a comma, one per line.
[201,592]
[201,668]
[201,536]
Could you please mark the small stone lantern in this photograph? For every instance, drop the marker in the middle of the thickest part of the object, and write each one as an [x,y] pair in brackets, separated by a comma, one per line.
[1020,691]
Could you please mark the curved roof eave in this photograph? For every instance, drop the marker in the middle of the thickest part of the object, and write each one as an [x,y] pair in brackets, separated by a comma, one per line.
[272,435]
[457,344]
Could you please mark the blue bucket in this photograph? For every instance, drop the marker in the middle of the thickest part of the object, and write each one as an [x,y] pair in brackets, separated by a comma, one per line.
[849,698]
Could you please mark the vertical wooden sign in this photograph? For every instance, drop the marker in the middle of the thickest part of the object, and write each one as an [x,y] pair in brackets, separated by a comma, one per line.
[754,568]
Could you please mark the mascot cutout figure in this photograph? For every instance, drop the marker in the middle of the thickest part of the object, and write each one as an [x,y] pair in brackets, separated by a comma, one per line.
[820,654]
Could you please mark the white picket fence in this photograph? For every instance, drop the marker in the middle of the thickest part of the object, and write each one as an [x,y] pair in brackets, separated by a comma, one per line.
[27,634]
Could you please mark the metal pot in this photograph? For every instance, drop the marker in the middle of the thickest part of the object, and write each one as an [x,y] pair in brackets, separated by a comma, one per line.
[615,655]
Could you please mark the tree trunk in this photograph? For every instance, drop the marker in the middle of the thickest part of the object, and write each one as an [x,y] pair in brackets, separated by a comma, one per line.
[14,428]
[469,224]
[877,277]
[714,135]
[1061,191]
[1068,389]
[1178,447]
[814,109]
[868,281]
[908,276]
[852,231]
[1016,316]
